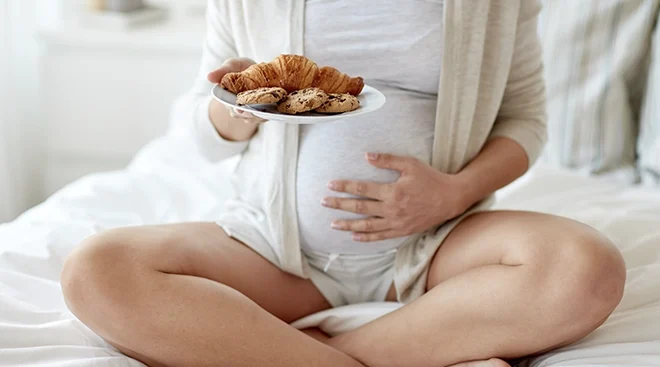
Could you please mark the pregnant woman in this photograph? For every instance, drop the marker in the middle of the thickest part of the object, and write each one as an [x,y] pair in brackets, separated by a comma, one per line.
[392,205]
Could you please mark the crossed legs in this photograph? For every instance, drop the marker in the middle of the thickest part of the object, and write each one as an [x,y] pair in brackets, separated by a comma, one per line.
[504,284]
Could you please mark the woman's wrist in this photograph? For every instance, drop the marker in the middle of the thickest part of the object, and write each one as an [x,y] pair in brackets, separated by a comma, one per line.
[462,198]
[500,162]
[467,194]
[230,128]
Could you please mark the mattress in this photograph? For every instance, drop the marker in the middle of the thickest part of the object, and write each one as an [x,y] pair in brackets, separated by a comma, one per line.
[169,182]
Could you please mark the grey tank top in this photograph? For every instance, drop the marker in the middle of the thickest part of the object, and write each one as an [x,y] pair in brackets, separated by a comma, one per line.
[397,47]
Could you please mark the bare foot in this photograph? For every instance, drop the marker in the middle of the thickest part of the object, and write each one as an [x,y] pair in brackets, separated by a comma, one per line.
[493,362]
[319,335]
[326,339]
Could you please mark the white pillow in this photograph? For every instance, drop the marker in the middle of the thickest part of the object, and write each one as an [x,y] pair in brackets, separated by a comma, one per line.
[648,145]
[594,57]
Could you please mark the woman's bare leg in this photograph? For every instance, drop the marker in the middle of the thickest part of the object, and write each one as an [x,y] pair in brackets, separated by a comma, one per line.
[188,295]
[504,284]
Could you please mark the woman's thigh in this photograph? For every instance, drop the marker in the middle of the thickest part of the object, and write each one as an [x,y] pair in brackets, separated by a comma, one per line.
[201,250]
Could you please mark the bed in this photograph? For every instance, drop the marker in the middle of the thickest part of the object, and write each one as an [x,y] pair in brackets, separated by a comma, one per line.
[169,182]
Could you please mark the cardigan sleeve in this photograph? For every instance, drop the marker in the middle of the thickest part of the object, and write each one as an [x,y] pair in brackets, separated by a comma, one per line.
[192,109]
[522,114]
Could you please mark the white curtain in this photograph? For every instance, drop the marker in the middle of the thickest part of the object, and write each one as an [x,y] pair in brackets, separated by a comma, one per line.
[11,196]
[20,125]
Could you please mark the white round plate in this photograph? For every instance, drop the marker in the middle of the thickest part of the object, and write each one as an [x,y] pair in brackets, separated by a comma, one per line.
[370,99]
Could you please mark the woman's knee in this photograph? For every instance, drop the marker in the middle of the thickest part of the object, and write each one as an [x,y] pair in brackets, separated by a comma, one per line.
[99,270]
[585,283]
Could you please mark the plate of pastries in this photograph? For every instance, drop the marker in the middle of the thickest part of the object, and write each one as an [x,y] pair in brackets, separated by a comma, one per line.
[294,89]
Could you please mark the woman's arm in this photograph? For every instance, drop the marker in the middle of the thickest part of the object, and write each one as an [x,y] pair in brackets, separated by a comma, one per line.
[217,133]
[500,162]
[230,126]
[519,133]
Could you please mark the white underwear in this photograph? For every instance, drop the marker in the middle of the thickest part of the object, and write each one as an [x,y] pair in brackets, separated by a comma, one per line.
[345,279]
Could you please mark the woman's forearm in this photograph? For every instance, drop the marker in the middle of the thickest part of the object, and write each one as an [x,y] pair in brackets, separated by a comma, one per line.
[230,128]
[500,162]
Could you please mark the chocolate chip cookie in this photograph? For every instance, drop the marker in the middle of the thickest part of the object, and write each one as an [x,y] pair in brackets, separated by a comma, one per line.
[260,96]
[302,100]
[339,103]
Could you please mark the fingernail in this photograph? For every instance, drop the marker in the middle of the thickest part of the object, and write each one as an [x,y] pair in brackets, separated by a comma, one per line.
[358,237]
[325,202]
[335,225]
[333,186]
[372,156]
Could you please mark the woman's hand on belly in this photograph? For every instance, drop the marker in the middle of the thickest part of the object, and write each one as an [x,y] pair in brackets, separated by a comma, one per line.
[420,199]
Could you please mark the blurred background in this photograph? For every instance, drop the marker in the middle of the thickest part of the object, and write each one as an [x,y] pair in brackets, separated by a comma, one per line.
[84,84]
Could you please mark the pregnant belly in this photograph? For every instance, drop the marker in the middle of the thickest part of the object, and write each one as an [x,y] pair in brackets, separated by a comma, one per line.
[315,219]
[337,151]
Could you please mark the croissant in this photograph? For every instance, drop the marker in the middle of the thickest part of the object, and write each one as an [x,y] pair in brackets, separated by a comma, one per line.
[292,72]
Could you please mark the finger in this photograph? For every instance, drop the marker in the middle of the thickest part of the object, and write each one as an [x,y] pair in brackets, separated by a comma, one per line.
[234,113]
[389,161]
[242,114]
[362,225]
[216,75]
[377,236]
[255,120]
[247,117]
[229,66]
[370,190]
[358,206]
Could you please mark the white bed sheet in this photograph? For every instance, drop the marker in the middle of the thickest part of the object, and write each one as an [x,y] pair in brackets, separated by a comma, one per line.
[169,182]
